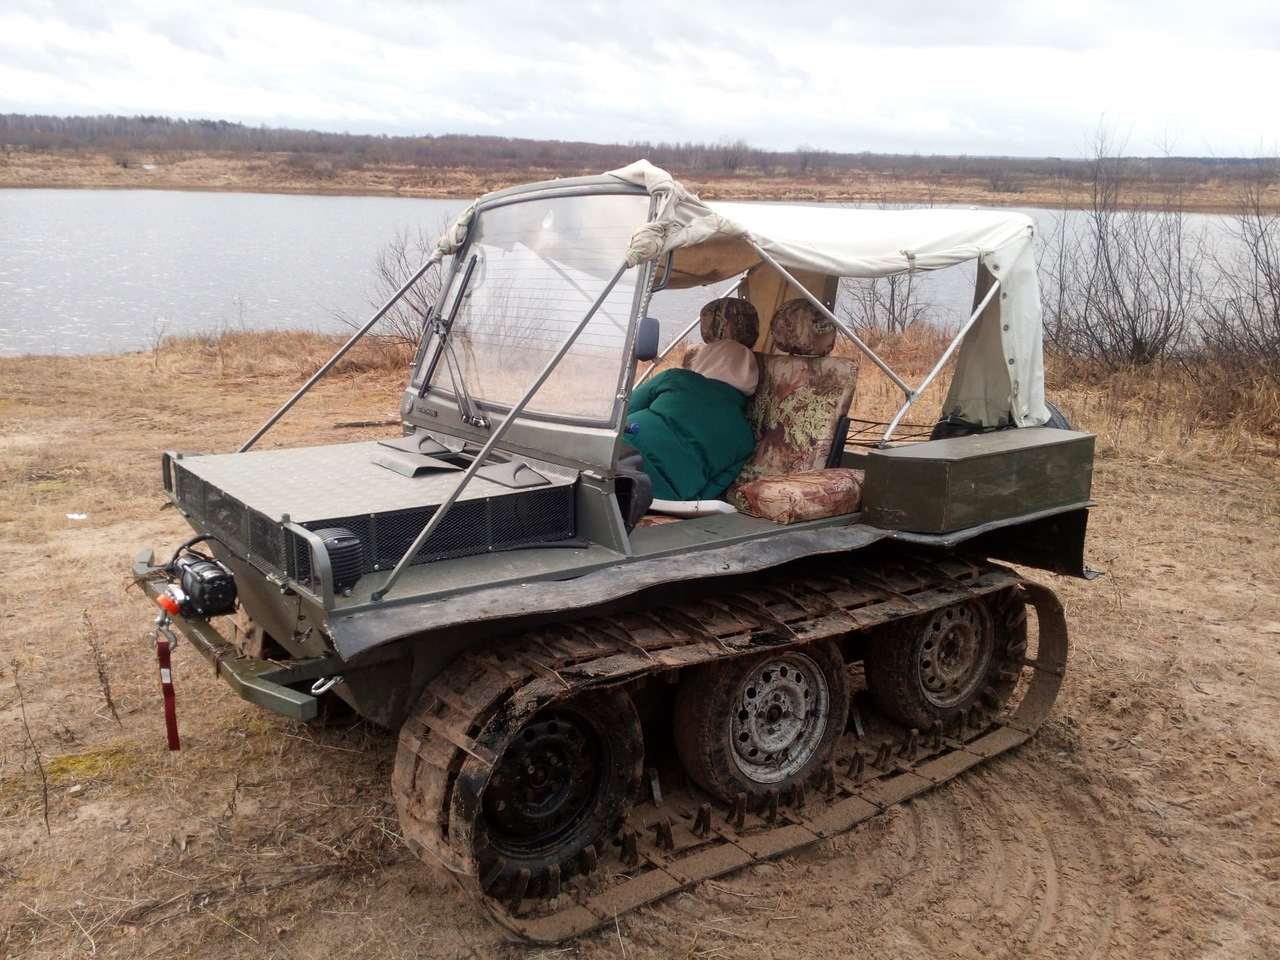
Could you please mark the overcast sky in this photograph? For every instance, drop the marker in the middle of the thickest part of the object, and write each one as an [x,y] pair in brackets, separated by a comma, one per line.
[1012,77]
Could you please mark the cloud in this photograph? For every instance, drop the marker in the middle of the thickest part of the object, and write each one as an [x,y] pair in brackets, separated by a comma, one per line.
[1018,76]
[185,32]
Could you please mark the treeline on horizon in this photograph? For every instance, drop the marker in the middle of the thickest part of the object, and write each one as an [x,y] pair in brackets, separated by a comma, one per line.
[724,158]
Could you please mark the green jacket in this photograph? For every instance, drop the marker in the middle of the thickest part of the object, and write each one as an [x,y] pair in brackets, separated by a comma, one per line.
[692,432]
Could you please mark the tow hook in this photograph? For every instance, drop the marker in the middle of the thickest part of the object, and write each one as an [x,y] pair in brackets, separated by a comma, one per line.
[325,684]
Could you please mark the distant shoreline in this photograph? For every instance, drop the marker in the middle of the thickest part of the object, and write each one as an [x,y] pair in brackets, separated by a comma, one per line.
[291,173]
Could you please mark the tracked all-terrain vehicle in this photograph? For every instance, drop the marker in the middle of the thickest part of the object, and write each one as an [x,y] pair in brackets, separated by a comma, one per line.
[602,700]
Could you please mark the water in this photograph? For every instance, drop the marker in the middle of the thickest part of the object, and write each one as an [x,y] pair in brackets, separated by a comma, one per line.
[101,271]
[98,271]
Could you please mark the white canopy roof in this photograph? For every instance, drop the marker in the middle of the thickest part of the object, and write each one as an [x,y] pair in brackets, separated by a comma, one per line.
[999,369]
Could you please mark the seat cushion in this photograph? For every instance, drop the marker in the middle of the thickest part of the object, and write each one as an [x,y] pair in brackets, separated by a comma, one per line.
[811,495]
[794,412]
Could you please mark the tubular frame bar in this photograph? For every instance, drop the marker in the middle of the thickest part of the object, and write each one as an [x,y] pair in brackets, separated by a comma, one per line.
[914,395]
[844,327]
[425,534]
[432,260]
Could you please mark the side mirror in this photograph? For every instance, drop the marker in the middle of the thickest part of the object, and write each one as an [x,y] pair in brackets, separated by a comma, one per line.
[647,338]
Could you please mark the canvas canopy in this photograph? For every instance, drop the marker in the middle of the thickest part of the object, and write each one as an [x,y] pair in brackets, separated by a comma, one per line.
[999,367]
[999,370]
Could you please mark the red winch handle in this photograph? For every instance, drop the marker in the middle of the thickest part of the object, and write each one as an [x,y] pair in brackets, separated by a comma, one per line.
[165,641]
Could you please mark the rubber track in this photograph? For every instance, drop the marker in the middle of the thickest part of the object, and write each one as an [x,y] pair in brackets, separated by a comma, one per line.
[466,717]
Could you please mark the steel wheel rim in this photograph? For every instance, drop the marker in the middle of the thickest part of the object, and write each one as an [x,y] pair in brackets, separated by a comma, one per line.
[545,784]
[780,718]
[954,655]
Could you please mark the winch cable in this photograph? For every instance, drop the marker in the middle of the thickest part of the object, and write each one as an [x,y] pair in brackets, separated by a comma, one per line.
[187,545]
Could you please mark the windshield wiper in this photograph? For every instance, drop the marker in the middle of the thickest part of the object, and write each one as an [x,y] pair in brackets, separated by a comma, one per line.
[441,326]
[468,409]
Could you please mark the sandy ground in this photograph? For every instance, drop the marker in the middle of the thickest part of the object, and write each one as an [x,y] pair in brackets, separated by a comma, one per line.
[288,173]
[1142,822]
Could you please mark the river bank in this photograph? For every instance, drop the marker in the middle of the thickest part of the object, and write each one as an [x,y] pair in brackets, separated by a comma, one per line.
[990,183]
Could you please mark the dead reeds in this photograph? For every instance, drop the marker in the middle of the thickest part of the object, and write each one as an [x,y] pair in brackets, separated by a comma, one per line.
[267,353]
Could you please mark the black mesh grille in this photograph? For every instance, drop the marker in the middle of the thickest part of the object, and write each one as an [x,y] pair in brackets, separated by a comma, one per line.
[299,558]
[267,543]
[519,518]
[471,527]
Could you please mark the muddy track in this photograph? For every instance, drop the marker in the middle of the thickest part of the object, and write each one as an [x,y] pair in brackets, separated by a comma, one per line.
[679,837]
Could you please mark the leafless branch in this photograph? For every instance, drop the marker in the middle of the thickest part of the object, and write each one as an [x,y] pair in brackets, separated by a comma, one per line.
[35,750]
[99,662]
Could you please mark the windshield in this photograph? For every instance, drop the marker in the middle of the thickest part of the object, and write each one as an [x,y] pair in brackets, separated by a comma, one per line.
[529,275]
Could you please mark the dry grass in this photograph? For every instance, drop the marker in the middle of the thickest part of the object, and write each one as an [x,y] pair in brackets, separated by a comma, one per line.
[279,172]
[1172,413]
[1168,412]
[265,837]
[274,353]
[144,846]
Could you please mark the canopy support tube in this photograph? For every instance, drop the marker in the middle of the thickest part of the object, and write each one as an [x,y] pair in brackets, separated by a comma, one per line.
[843,327]
[497,435]
[432,260]
[914,395]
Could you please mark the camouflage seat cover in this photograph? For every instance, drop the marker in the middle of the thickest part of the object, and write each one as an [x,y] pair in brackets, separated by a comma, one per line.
[795,414]
[811,495]
[727,318]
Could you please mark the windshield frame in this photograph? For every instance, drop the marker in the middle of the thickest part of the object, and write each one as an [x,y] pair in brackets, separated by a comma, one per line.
[431,380]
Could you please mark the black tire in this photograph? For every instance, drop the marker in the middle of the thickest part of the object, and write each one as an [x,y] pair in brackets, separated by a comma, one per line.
[1057,419]
[566,781]
[752,724]
[946,428]
[935,667]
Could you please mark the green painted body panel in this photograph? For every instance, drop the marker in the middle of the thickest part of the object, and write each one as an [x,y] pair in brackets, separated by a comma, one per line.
[947,485]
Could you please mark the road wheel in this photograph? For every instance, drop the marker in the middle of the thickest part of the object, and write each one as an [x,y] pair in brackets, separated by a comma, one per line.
[937,666]
[566,781]
[756,723]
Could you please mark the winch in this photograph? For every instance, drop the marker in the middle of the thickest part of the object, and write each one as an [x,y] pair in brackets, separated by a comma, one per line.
[200,586]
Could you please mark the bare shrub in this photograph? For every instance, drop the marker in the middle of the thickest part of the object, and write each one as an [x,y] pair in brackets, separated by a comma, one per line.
[1121,287]
[891,304]
[1240,329]
[1002,178]
[31,743]
[399,259]
[733,154]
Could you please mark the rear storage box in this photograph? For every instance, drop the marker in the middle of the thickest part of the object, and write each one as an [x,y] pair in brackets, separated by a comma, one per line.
[947,485]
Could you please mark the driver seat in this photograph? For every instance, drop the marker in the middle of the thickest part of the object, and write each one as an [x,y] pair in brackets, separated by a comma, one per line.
[797,414]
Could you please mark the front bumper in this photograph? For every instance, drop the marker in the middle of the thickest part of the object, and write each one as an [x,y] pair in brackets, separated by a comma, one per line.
[264,682]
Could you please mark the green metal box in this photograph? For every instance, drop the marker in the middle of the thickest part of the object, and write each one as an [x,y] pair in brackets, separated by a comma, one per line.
[947,485]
